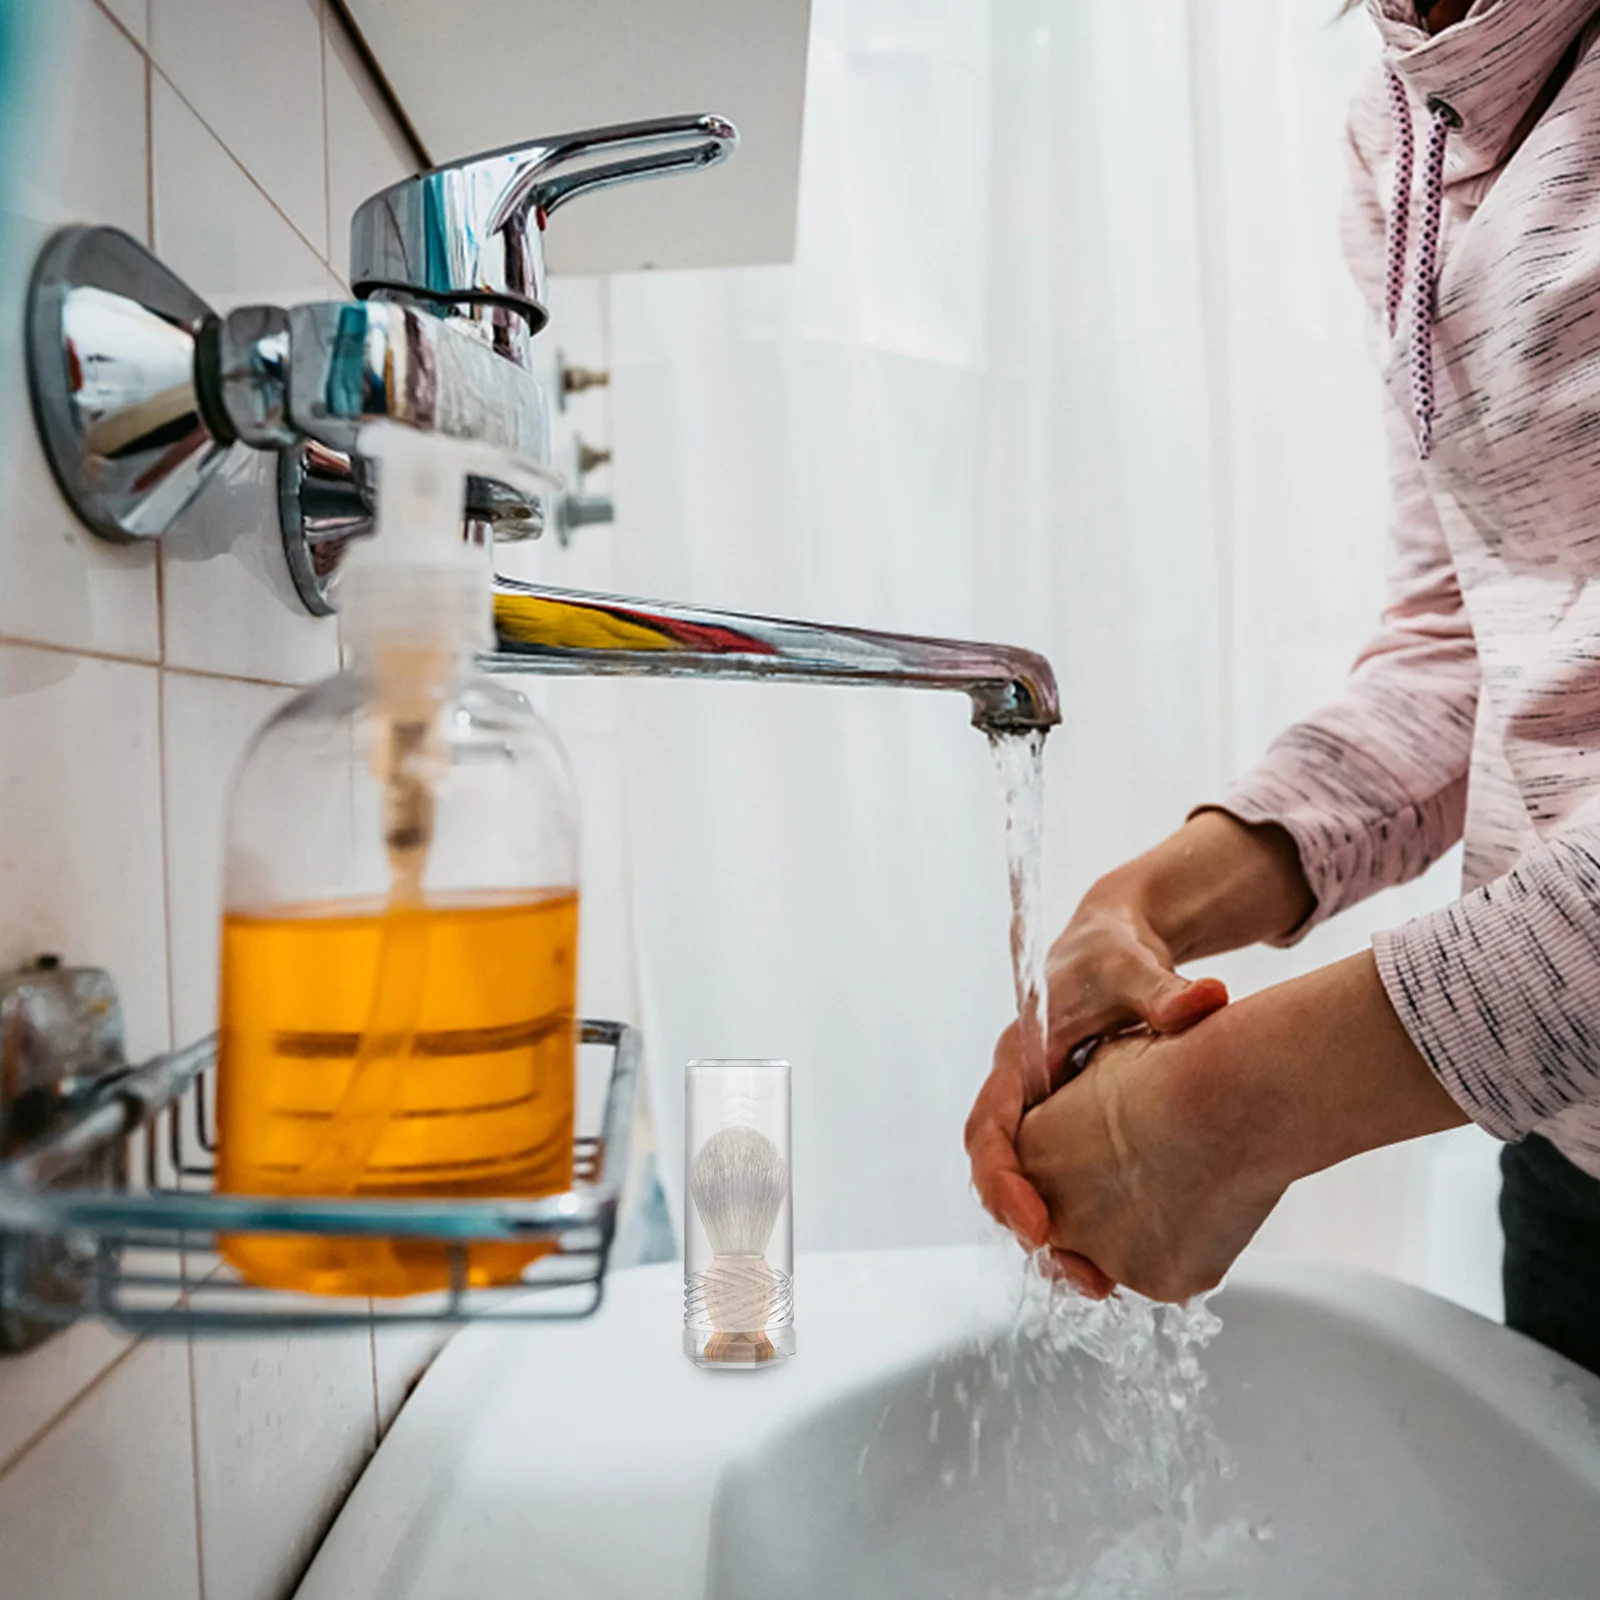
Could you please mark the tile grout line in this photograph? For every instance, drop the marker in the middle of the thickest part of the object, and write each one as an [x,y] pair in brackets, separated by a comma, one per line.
[122,27]
[238,677]
[149,162]
[172,1039]
[166,932]
[88,653]
[194,1464]
[155,68]
[254,181]
[372,1346]
[57,1417]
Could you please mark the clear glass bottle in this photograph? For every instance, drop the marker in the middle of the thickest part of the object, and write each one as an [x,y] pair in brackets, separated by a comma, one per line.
[738,1236]
[399,949]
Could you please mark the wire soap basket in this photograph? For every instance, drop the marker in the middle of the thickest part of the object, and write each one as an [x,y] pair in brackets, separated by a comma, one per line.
[107,1204]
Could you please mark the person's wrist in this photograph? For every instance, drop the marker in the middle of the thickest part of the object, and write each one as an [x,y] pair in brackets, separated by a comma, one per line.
[1130,894]
[1311,1072]
[1221,882]
[1217,1081]
[1154,898]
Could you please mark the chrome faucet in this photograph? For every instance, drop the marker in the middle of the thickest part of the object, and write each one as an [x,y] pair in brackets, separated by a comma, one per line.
[140,390]
[558,632]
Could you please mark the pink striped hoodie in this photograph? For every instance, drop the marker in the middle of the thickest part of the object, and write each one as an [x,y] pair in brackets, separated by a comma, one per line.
[1474,231]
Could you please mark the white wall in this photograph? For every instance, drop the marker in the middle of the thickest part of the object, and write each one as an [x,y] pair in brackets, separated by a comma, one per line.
[236,136]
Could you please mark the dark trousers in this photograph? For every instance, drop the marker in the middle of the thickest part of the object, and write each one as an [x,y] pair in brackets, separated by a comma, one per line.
[1550,1211]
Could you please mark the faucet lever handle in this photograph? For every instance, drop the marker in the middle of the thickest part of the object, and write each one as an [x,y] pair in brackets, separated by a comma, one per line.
[670,144]
[471,231]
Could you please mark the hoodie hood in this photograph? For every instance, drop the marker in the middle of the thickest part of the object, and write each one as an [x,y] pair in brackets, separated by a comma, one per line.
[1488,68]
[1478,81]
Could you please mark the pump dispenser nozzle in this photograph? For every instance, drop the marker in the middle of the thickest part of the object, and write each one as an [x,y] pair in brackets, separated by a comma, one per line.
[418,576]
[416,597]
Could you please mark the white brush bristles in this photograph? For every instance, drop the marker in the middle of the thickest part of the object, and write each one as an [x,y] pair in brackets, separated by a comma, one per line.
[739,1180]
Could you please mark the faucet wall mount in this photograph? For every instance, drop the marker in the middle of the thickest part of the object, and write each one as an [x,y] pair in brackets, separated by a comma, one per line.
[140,389]
[113,348]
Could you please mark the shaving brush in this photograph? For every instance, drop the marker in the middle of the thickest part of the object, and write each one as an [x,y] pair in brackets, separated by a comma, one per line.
[738,1181]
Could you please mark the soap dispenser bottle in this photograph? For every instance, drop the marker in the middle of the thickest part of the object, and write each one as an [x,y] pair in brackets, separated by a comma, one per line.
[400,928]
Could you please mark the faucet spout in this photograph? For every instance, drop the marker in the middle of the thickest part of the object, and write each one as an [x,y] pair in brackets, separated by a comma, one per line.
[559,632]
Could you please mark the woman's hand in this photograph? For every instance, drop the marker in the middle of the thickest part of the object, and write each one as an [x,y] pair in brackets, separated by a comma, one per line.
[1162,1159]
[1146,1175]
[1108,970]
[1214,885]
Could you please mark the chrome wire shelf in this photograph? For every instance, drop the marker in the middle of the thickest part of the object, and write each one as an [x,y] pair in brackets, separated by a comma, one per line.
[111,1211]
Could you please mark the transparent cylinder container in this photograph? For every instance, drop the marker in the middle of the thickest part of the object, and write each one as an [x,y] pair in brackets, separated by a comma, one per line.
[738,1238]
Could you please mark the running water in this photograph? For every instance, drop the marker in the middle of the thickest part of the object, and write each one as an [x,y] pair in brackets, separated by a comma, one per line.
[1147,1432]
[1019,758]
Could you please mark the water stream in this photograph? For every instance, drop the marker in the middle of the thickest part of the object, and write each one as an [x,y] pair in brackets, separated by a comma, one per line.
[1019,759]
[1145,1432]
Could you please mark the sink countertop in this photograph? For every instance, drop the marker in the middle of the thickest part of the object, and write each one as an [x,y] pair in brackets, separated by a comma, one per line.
[582,1459]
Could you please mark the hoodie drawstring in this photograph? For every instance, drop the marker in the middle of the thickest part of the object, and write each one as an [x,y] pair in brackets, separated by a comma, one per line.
[1405,158]
[1424,289]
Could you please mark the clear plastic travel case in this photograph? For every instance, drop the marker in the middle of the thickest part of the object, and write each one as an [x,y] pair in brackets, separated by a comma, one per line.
[738,1266]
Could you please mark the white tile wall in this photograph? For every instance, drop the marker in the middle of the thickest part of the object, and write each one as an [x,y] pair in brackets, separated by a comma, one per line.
[282,1428]
[366,151]
[253,72]
[35,1390]
[104,1504]
[225,132]
[80,852]
[60,584]
[229,605]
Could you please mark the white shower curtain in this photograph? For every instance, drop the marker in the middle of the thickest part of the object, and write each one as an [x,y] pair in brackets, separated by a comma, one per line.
[1067,358]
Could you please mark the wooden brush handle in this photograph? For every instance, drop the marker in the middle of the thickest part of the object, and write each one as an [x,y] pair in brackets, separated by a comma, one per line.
[740,1347]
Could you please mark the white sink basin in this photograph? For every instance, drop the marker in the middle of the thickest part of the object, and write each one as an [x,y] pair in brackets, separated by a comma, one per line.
[1388,1445]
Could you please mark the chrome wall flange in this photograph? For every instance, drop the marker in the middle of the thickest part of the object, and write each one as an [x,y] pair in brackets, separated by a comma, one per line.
[115,346]
[325,505]
[321,510]
[140,390]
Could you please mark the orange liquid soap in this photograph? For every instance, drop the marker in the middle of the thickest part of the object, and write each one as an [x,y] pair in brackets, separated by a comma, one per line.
[483,1076]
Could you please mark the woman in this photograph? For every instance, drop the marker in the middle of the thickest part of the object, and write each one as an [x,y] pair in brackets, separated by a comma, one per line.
[1474,232]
